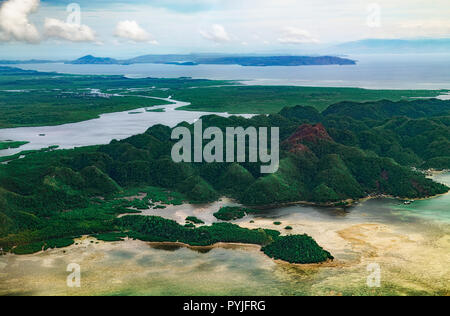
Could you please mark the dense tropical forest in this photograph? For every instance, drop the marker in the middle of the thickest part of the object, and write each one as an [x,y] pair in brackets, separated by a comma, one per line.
[347,152]
[11,144]
[244,99]
[31,98]
[230,213]
[50,197]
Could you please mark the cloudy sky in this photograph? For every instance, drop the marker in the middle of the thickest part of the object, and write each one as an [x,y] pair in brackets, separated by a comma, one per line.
[62,29]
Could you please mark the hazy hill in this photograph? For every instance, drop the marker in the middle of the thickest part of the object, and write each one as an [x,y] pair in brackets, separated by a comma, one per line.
[89,59]
[221,60]
[395,46]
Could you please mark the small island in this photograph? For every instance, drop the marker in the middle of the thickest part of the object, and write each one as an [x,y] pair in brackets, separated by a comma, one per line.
[194,220]
[229,213]
[299,249]
[293,249]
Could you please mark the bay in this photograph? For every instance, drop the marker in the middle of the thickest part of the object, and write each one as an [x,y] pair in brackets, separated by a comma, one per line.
[381,71]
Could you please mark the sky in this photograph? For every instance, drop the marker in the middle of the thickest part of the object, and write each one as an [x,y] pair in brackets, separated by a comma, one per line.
[60,29]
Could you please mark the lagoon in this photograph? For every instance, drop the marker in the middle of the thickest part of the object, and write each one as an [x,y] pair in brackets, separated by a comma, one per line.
[410,243]
[411,247]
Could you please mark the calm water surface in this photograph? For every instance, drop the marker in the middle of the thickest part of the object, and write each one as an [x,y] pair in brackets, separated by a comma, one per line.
[403,71]
[100,131]
[372,71]
[410,244]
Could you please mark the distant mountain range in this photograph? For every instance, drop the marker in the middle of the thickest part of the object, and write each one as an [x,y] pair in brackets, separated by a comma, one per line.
[31,61]
[328,55]
[192,60]
[395,46]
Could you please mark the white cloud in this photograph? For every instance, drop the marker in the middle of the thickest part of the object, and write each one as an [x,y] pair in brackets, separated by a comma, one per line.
[14,22]
[328,21]
[68,31]
[417,28]
[132,31]
[293,35]
[217,34]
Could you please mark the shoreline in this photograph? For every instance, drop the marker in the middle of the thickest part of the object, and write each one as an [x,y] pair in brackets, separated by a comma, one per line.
[351,84]
[344,203]
[411,258]
[88,240]
[117,266]
[353,202]
[435,172]
[230,245]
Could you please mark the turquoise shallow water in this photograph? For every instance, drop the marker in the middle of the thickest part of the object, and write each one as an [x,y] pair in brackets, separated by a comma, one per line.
[411,244]
[436,209]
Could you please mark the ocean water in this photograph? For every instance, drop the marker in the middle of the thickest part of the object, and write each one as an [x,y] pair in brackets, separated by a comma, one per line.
[419,71]
[372,71]
[411,244]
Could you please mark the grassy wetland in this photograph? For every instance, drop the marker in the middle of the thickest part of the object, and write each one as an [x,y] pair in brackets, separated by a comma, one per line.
[124,206]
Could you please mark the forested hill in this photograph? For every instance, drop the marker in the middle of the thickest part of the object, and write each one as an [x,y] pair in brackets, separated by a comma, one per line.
[278,61]
[89,59]
[198,59]
[325,159]
[201,59]
[385,109]
[413,133]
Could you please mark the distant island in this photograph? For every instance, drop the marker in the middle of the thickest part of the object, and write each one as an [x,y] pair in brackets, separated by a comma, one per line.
[399,46]
[192,60]
[200,59]
[324,56]
[91,60]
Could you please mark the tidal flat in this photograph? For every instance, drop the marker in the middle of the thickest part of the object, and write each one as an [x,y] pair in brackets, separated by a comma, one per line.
[410,243]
